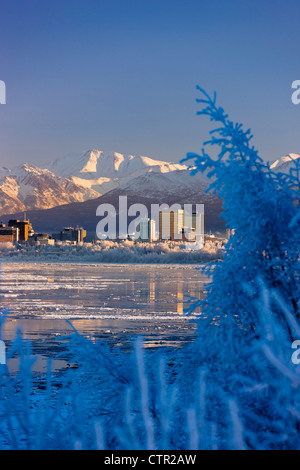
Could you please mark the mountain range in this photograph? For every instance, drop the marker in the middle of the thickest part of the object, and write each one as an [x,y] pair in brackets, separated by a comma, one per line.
[74,178]
[68,190]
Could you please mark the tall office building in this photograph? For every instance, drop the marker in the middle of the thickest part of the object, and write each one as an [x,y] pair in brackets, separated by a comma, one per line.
[171,224]
[194,224]
[25,228]
[147,230]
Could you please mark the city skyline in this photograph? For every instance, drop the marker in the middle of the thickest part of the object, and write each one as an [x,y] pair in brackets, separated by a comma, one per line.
[169,224]
[121,76]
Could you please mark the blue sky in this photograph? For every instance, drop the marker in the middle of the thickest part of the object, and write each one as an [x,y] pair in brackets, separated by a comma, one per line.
[121,75]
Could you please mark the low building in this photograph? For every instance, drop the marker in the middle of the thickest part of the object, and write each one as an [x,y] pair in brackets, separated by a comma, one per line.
[39,236]
[45,242]
[9,234]
[41,239]
[70,234]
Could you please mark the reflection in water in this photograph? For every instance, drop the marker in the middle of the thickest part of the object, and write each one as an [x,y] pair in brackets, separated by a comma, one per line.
[179,294]
[151,287]
[110,302]
[61,291]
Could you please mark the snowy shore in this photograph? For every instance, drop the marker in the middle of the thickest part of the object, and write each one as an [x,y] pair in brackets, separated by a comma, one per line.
[116,252]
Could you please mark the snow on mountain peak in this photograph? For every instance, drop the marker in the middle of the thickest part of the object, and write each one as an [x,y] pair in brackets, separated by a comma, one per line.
[91,164]
[92,173]
[75,177]
[94,164]
[31,169]
[283,164]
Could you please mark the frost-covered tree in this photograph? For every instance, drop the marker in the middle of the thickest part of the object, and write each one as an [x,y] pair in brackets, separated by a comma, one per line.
[250,314]
[262,208]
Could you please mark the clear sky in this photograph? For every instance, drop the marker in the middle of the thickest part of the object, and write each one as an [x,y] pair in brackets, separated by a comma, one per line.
[121,75]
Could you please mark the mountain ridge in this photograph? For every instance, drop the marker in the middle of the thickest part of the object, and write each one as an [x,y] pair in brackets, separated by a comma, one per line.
[73,178]
[89,175]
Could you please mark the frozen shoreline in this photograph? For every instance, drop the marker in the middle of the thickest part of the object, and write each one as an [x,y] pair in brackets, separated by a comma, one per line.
[108,252]
[110,301]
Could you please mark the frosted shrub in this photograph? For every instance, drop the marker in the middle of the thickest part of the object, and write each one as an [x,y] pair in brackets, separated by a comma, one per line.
[108,251]
[251,310]
[261,207]
[167,399]
[6,247]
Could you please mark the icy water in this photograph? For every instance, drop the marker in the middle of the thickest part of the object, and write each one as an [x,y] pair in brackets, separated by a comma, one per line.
[112,303]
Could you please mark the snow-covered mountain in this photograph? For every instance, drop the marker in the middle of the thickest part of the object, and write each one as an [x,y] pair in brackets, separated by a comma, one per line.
[98,164]
[104,171]
[77,178]
[284,164]
[29,187]
[88,175]
[169,188]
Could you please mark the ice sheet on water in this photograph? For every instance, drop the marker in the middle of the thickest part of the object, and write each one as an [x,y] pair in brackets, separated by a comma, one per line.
[91,291]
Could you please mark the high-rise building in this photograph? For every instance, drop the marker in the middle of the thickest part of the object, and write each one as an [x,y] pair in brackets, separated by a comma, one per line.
[194,225]
[171,224]
[25,228]
[147,230]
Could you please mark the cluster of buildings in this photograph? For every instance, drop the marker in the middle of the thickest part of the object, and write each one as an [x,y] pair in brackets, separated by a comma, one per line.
[21,231]
[16,231]
[174,225]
